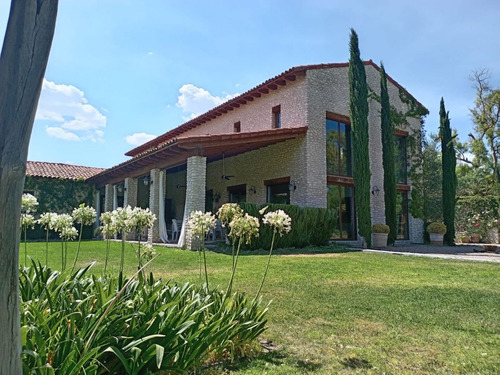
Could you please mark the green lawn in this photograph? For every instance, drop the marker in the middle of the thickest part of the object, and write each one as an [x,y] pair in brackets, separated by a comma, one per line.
[350,312]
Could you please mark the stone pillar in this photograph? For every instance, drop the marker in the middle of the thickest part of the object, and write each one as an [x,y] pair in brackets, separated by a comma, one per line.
[130,199]
[98,208]
[195,194]
[154,191]
[108,198]
[130,193]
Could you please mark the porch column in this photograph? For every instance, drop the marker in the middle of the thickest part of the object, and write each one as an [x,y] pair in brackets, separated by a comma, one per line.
[130,199]
[154,195]
[98,208]
[108,198]
[196,175]
[130,193]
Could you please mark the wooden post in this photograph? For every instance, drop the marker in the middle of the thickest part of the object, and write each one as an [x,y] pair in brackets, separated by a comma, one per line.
[23,61]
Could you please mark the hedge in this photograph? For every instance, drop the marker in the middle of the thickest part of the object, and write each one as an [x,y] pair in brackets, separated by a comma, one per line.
[310,226]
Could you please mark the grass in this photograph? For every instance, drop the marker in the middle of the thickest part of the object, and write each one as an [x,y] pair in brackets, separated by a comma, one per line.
[347,312]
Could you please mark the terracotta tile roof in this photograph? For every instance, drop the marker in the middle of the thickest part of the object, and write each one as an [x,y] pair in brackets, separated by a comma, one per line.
[59,170]
[250,95]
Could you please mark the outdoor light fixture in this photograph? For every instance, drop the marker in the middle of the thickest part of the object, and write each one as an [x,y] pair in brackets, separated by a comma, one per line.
[292,186]
[180,186]
[375,190]
[216,197]
[146,180]
[252,190]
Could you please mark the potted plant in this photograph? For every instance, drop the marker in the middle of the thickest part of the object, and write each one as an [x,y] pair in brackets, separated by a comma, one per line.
[475,234]
[380,232]
[436,232]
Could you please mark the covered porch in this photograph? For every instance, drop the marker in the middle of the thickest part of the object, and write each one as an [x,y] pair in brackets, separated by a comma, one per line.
[186,174]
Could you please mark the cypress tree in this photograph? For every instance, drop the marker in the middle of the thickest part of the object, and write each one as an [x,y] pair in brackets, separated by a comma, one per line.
[388,158]
[358,111]
[449,182]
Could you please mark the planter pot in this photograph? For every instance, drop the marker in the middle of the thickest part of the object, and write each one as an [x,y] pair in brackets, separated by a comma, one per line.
[380,240]
[465,239]
[436,239]
[475,237]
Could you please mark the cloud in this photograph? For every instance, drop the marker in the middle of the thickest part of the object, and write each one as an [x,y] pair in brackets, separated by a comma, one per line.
[70,115]
[60,133]
[196,101]
[138,139]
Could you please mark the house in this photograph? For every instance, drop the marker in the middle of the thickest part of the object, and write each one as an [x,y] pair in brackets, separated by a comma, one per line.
[287,140]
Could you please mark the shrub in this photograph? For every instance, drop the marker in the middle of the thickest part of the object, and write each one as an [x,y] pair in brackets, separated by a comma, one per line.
[380,228]
[436,227]
[310,226]
[85,324]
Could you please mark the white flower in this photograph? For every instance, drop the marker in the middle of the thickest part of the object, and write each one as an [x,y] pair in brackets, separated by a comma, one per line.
[228,212]
[109,228]
[200,223]
[62,222]
[27,220]
[28,203]
[148,252]
[244,227]
[47,220]
[141,218]
[279,221]
[68,233]
[84,215]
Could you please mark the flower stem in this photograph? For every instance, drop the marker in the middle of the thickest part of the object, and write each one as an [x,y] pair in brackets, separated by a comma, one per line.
[205,261]
[107,255]
[230,285]
[47,248]
[267,266]
[78,248]
[25,246]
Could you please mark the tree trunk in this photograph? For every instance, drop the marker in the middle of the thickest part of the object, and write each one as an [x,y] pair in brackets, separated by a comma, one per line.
[24,57]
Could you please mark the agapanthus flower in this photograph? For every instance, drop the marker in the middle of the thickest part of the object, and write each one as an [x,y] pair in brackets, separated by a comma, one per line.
[279,221]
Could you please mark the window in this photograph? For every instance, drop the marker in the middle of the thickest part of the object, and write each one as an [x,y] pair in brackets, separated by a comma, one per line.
[341,199]
[237,127]
[403,227]
[401,161]
[278,190]
[237,193]
[277,117]
[338,146]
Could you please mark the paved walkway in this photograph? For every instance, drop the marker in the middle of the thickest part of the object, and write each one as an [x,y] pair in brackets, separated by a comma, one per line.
[472,252]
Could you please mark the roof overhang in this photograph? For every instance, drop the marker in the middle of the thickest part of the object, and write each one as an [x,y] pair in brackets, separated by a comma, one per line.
[178,150]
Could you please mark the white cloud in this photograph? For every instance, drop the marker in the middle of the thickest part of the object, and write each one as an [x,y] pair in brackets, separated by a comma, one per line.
[138,139]
[70,114]
[60,133]
[196,101]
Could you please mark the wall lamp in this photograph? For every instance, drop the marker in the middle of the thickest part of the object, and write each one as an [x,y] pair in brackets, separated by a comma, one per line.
[121,187]
[180,186]
[216,197]
[252,190]
[375,190]
[146,180]
[292,186]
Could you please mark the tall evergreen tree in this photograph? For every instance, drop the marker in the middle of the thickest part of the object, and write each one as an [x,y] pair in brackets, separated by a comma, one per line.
[449,182]
[388,158]
[358,111]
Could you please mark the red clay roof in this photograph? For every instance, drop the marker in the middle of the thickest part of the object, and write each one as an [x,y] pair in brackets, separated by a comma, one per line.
[257,91]
[59,170]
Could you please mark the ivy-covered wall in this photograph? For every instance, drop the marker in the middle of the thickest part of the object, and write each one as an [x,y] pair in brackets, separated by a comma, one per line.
[61,196]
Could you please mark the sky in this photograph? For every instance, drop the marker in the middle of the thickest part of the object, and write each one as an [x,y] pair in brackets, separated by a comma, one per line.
[123,71]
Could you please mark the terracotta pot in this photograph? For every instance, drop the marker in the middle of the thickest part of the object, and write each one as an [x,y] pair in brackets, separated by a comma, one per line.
[465,239]
[475,237]
[436,239]
[379,240]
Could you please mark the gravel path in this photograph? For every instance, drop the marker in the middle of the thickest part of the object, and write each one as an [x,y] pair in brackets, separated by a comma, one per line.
[472,252]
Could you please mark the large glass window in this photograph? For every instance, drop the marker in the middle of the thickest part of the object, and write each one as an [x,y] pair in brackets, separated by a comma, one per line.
[341,199]
[237,193]
[401,159]
[338,148]
[402,216]
[278,193]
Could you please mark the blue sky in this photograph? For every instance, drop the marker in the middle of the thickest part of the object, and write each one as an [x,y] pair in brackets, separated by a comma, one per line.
[121,71]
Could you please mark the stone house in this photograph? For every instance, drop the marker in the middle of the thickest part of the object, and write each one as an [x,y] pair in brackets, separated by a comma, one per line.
[287,140]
